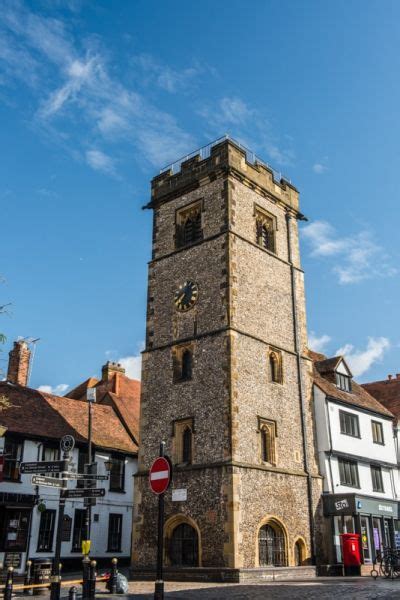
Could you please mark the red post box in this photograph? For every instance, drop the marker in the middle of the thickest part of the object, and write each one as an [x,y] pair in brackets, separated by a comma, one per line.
[351,549]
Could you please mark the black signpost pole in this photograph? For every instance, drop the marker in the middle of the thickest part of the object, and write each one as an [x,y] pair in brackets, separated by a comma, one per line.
[159,585]
[55,587]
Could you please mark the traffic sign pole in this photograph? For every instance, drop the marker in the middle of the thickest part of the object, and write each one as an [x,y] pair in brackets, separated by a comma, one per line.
[159,584]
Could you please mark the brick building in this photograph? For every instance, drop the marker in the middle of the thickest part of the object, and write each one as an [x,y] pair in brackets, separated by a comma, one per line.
[226,379]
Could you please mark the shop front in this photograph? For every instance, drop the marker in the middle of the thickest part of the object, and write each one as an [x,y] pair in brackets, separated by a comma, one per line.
[15,522]
[375,520]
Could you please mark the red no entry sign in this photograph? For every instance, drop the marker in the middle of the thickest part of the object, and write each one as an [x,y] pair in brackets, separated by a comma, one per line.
[160,475]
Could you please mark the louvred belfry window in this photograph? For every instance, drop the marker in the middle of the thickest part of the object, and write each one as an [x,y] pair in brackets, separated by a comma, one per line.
[265,231]
[189,227]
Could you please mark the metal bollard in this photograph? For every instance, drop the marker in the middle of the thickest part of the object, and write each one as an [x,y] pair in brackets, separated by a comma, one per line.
[85,577]
[72,593]
[92,580]
[113,576]
[28,578]
[8,589]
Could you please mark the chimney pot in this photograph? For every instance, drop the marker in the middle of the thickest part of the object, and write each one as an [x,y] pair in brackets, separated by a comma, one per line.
[18,364]
[397,375]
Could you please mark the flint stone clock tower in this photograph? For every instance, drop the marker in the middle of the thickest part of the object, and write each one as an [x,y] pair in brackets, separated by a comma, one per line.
[226,376]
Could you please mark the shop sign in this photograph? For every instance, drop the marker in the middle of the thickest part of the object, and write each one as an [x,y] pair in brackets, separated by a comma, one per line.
[13,559]
[337,504]
[377,507]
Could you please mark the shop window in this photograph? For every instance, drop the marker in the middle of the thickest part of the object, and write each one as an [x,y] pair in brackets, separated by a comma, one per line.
[343,382]
[46,531]
[349,424]
[117,475]
[79,530]
[188,225]
[183,549]
[348,472]
[377,481]
[275,366]
[377,433]
[114,533]
[12,459]
[271,546]
[265,230]
[183,431]
[267,431]
[15,530]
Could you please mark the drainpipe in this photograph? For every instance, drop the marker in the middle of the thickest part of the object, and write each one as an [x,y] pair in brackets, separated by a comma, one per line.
[300,386]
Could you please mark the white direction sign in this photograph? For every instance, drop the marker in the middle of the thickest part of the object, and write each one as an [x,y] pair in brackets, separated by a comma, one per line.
[86,476]
[47,481]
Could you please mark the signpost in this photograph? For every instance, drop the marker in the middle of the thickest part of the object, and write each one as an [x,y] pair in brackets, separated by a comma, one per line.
[53,466]
[1,467]
[85,493]
[47,481]
[159,479]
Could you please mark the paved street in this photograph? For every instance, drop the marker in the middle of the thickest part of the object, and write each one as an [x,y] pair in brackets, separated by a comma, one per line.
[357,588]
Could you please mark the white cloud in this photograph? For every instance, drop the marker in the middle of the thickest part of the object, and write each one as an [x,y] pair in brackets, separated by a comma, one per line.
[234,112]
[132,365]
[362,360]
[56,390]
[318,343]
[87,94]
[100,161]
[357,257]
[319,168]
[169,79]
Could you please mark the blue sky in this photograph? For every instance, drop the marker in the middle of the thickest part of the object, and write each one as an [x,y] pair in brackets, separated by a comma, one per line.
[96,97]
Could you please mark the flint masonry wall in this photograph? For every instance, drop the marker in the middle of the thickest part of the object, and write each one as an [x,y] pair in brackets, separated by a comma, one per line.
[244,306]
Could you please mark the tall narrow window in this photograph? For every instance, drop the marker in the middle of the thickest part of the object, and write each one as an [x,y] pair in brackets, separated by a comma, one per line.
[275,366]
[12,458]
[182,360]
[183,441]
[114,533]
[46,531]
[376,476]
[265,230]
[187,445]
[267,431]
[377,433]
[117,475]
[188,225]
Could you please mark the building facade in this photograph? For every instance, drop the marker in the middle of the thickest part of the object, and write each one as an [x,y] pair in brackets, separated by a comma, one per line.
[226,377]
[357,450]
[32,424]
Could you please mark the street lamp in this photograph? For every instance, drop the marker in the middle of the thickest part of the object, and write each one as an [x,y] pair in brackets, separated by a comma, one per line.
[108,464]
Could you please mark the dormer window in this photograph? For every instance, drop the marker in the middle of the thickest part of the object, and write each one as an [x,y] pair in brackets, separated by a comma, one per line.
[343,382]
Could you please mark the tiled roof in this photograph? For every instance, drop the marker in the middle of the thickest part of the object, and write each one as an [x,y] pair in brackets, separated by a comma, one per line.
[358,395]
[38,414]
[120,392]
[387,392]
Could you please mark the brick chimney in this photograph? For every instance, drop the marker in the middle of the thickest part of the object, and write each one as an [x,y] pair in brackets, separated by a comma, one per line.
[18,363]
[109,369]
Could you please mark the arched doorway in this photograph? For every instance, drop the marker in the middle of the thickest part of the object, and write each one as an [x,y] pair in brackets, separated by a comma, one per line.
[299,552]
[184,544]
[271,546]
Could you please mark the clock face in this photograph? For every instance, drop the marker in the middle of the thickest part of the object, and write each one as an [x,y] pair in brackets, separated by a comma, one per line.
[186,296]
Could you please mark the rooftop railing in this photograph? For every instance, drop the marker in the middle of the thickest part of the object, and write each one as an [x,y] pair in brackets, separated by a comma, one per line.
[205,152]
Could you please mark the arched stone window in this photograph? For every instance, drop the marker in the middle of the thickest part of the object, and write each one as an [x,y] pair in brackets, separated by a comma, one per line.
[271,546]
[265,230]
[275,366]
[267,431]
[186,365]
[187,445]
[188,225]
[184,546]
